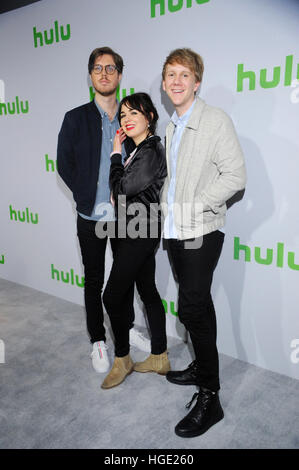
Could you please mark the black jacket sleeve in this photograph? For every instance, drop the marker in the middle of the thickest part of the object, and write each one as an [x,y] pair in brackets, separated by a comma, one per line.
[65,151]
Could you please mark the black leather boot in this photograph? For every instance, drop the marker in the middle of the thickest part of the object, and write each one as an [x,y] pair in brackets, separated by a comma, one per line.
[205,414]
[184,377]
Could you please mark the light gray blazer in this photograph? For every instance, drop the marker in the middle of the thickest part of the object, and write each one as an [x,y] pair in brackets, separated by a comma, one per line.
[210,170]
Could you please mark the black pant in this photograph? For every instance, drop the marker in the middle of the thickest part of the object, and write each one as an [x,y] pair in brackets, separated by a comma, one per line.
[93,257]
[194,269]
[134,261]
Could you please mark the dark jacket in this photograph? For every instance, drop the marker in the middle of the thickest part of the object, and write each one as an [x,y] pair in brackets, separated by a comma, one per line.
[79,154]
[142,179]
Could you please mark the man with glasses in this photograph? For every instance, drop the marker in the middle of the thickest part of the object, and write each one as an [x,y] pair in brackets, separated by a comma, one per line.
[83,157]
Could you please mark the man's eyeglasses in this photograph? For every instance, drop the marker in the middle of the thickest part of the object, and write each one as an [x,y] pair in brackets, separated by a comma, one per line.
[110,69]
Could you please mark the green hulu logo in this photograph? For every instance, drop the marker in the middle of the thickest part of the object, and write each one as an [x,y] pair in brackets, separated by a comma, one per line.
[123,94]
[265,80]
[269,258]
[16,107]
[171,309]
[50,164]
[49,36]
[23,216]
[173,5]
[2,259]
[67,278]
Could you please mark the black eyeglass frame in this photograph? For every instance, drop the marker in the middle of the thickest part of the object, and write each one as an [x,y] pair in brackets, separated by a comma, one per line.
[99,68]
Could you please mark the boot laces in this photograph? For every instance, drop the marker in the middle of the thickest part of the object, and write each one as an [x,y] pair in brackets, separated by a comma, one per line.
[192,400]
[204,398]
[193,365]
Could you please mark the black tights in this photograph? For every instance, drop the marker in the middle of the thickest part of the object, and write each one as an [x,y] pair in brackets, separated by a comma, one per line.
[134,261]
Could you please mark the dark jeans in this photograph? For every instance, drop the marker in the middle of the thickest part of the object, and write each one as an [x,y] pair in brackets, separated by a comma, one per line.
[194,269]
[134,261]
[93,257]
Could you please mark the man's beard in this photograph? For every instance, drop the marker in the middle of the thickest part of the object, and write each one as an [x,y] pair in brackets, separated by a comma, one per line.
[106,93]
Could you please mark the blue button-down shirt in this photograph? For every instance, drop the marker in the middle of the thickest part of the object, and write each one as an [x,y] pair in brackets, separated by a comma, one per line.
[103,209]
[180,124]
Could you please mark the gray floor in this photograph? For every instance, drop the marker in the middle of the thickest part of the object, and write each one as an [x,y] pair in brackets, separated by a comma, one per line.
[51,397]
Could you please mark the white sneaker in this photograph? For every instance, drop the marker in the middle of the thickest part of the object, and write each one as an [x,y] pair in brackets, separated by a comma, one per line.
[99,357]
[139,341]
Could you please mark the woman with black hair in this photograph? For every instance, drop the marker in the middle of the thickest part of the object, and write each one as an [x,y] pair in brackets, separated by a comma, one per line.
[135,188]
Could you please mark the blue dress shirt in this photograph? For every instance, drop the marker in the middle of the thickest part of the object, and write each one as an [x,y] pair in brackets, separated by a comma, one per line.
[180,124]
[103,209]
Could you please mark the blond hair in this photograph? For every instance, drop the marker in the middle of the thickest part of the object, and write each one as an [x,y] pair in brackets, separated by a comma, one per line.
[188,58]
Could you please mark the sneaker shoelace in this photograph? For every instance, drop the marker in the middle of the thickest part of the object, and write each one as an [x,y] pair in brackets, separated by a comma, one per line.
[104,347]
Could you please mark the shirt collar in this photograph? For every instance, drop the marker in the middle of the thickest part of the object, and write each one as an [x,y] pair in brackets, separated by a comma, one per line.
[102,112]
[184,118]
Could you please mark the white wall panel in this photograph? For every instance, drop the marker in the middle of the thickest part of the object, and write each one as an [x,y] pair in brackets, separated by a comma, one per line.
[257,304]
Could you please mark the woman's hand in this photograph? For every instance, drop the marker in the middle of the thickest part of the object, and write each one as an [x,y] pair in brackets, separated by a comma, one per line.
[119,138]
[112,199]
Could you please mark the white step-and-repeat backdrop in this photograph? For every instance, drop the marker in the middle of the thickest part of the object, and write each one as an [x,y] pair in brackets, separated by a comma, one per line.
[251,56]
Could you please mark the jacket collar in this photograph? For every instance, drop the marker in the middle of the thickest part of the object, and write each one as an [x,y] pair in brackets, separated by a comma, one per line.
[93,108]
[196,114]
[148,141]
[194,119]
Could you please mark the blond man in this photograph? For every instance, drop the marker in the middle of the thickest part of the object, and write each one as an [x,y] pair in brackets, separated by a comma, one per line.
[205,168]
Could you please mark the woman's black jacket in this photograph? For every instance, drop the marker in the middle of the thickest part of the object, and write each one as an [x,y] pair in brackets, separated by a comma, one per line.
[142,179]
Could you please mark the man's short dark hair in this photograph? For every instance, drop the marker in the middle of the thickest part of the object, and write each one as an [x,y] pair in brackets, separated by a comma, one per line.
[105,50]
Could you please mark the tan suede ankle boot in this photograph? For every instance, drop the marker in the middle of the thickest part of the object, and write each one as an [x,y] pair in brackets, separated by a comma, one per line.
[154,363]
[122,367]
